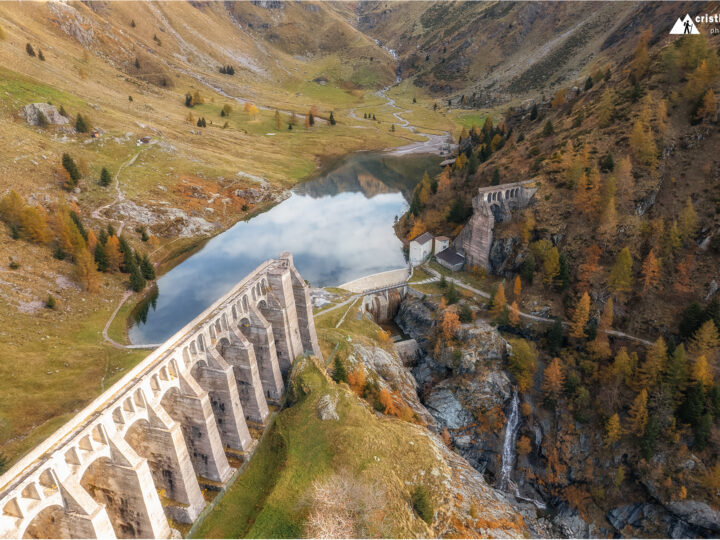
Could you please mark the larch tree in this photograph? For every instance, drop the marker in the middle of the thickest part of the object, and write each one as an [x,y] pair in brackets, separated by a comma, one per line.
[676,373]
[623,366]
[705,340]
[683,275]
[613,430]
[590,267]
[91,241]
[600,346]
[687,224]
[606,108]
[652,368]
[701,372]
[11,206]
[450,324]
[621,275]
[523,362]
[514,316]
[85,271]
[638,414]
[551,265]
[580,317]
[650,272]
[642,144]
[34,225]
[707,112]
[517,287]
[624,179]
[499,301]
[553,380]
[114,255]
[673,240]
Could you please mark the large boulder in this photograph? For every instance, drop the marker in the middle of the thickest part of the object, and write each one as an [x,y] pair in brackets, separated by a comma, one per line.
[415,318]
[32,113]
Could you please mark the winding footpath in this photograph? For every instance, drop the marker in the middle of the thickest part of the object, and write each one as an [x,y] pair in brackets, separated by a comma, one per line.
[120,196]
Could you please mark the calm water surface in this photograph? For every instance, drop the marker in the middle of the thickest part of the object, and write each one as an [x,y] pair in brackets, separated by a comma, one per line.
[338,227]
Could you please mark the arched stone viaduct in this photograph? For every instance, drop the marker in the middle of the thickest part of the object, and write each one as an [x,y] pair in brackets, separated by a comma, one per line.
[139,453]
[491,204]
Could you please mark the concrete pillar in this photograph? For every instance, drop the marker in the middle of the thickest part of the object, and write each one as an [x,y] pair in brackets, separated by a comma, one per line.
[258,331]
[303,308]
[162,444]
[79,517]
[124,484]
[190,407]
[280,313]
[218,379]
[239,353]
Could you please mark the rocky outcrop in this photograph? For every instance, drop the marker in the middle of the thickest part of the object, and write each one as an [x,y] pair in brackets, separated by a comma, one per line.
[390,369]
[33,112]
[415,318]
[499,258]
[326,408]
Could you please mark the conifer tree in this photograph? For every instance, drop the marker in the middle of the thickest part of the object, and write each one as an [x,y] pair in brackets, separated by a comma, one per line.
[137,281]
[621,277]
[655,361]
[147,269]
[623,365]
[553,380]
[69,165]
[580,317]
[687,224]
[91,241]
[638,414]
[29,49]
[101,257]
[514,317]
[701,372]
[332,119]
[705,340]
[85,271]
[551,265]
[105,177]
[606,108]
[613,430]
[499,301]
[34,225]
[114,255]
[650,272]
[339,373]
[517,287]
[676,373]
[80,124]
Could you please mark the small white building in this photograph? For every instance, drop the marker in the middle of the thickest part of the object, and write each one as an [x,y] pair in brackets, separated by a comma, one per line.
[420,248]
[441,243]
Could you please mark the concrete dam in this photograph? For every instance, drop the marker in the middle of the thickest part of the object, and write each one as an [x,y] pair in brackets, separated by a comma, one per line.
[138,455]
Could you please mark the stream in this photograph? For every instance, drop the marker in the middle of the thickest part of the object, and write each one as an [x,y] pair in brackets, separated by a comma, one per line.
[508,451]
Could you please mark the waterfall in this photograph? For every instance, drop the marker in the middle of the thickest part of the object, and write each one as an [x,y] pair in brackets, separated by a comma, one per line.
[508,452]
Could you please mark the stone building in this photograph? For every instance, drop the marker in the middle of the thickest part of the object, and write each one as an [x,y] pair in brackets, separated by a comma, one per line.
[420,248]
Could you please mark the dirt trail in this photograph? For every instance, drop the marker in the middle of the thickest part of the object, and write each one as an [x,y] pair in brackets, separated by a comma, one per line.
[120,196]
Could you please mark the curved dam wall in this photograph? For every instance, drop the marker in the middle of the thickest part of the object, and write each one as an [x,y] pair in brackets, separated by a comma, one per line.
[138,454]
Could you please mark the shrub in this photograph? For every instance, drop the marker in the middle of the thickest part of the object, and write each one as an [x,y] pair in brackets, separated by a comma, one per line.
[14,265]
[422,504]
[466,314]
[50,302]
[29,49]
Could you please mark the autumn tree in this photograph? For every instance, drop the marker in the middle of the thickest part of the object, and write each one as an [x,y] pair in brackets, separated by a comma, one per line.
[624,178]
[85,271]
[356,379]
[650,272]
[655,359]
[621,276]
[517,287]
[638,414]
[683,275]
[523,446]
[553,380]
[705,340]
[386,400]
[559,99]
[498,301]
[606,108]
[687,223]
[590,267]
[112,251]
[551,265]
[33,223]
[450,324]
[613,430]
[580,317]
[600,346]
[523,362]
[701,372]
[11,206]
[642,144]
[514,317]
[623,365]
[707,111]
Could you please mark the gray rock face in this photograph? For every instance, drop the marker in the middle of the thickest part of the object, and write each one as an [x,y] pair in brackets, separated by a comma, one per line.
[696,513]
[326,408]
[415,317]
[500,254]
[32,113]
[446,408]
